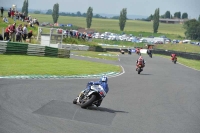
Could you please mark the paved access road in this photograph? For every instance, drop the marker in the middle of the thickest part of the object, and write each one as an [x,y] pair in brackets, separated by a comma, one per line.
[165,98]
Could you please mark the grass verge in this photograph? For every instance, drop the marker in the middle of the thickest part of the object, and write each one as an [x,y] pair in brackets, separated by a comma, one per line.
[190,63]
[100,55]
[31,65]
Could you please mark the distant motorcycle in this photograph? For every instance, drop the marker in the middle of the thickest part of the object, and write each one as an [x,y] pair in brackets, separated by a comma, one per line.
[149,53]
[122,51]
[129,51]
[93,96]
[174,60]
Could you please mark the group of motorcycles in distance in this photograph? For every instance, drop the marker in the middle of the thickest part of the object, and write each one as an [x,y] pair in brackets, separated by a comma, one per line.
[149,52]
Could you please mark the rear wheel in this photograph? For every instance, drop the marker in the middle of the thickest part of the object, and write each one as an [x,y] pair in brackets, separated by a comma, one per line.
[139,70]
[89,102]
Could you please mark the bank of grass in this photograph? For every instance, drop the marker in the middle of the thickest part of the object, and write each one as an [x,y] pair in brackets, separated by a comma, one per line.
[179,47]
[100,55]
[32,65]
[190,63]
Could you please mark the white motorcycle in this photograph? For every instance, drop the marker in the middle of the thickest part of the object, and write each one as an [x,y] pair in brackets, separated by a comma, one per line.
[93,96]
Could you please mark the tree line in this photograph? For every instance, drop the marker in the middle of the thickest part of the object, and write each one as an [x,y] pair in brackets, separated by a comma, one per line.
[168,15]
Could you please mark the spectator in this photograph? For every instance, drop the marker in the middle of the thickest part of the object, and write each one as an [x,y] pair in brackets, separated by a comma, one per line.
[19,33]
[5,20]
[6,33]
[9,13]
[1,37]
[12,13]
[12,31]
[25,32]
[30,34]
[2,10]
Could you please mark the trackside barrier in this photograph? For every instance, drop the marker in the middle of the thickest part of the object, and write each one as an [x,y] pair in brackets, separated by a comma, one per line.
[185,55]
[32,49]
[3,45]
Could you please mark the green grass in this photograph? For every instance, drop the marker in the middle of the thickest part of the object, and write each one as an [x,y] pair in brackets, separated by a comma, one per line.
[190,63]
[113,25]
[31,65]
[179,47]
[100,55]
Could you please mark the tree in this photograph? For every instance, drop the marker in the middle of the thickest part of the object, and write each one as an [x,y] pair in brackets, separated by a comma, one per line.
[122,19]
[167,14]
[156,20]
[150,17]
[192,28]
[184,15]
[55,13]
[49,11]
[25,7]
[89,17]
[177,15]
[26,13]
[36,12]
[78,13]
[199,18]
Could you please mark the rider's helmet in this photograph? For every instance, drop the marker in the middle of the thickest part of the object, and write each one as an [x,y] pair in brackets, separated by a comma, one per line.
[104,79]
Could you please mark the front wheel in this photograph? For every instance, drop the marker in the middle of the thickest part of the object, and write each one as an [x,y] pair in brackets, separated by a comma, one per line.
[89,102]
[139,70]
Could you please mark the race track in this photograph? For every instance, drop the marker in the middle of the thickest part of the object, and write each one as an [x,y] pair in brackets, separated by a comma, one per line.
[164,98]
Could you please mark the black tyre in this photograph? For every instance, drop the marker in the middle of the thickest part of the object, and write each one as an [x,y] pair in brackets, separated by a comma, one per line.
[139,70]
[75,101]
[89,102]
[175,62]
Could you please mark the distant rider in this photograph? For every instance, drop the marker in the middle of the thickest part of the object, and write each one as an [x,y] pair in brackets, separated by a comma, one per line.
[138,51]
[173,56]
[140,61]
[103,82]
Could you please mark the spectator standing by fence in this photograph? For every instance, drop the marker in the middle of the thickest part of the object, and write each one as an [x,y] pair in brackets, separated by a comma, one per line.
[2,10]
[25,32]
[12,31]
[19,32]
[6,33]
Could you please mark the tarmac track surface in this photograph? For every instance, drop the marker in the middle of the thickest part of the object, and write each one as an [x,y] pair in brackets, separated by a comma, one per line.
[164,98]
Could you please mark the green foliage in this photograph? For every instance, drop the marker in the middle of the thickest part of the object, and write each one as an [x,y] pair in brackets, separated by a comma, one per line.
[184,15]
[156,21]
[177,15]
[192,29]
[167,14]
[150,17]
[89,17]
[122,19]
[25,7]
[36,12]
[49,11]
[199,18]
[55,13]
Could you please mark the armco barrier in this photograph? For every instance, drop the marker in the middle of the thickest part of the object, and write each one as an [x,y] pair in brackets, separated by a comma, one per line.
[16,48]
[3,46]
[30,49]
[185,55]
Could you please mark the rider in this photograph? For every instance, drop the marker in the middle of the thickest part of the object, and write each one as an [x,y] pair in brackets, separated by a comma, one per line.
[140,61]
[148,51]
[103,82]
[173,56]
[138,50]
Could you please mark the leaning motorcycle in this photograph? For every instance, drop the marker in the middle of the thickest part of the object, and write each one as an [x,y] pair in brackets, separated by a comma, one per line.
[93,96]
[139,69]
[174,60]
